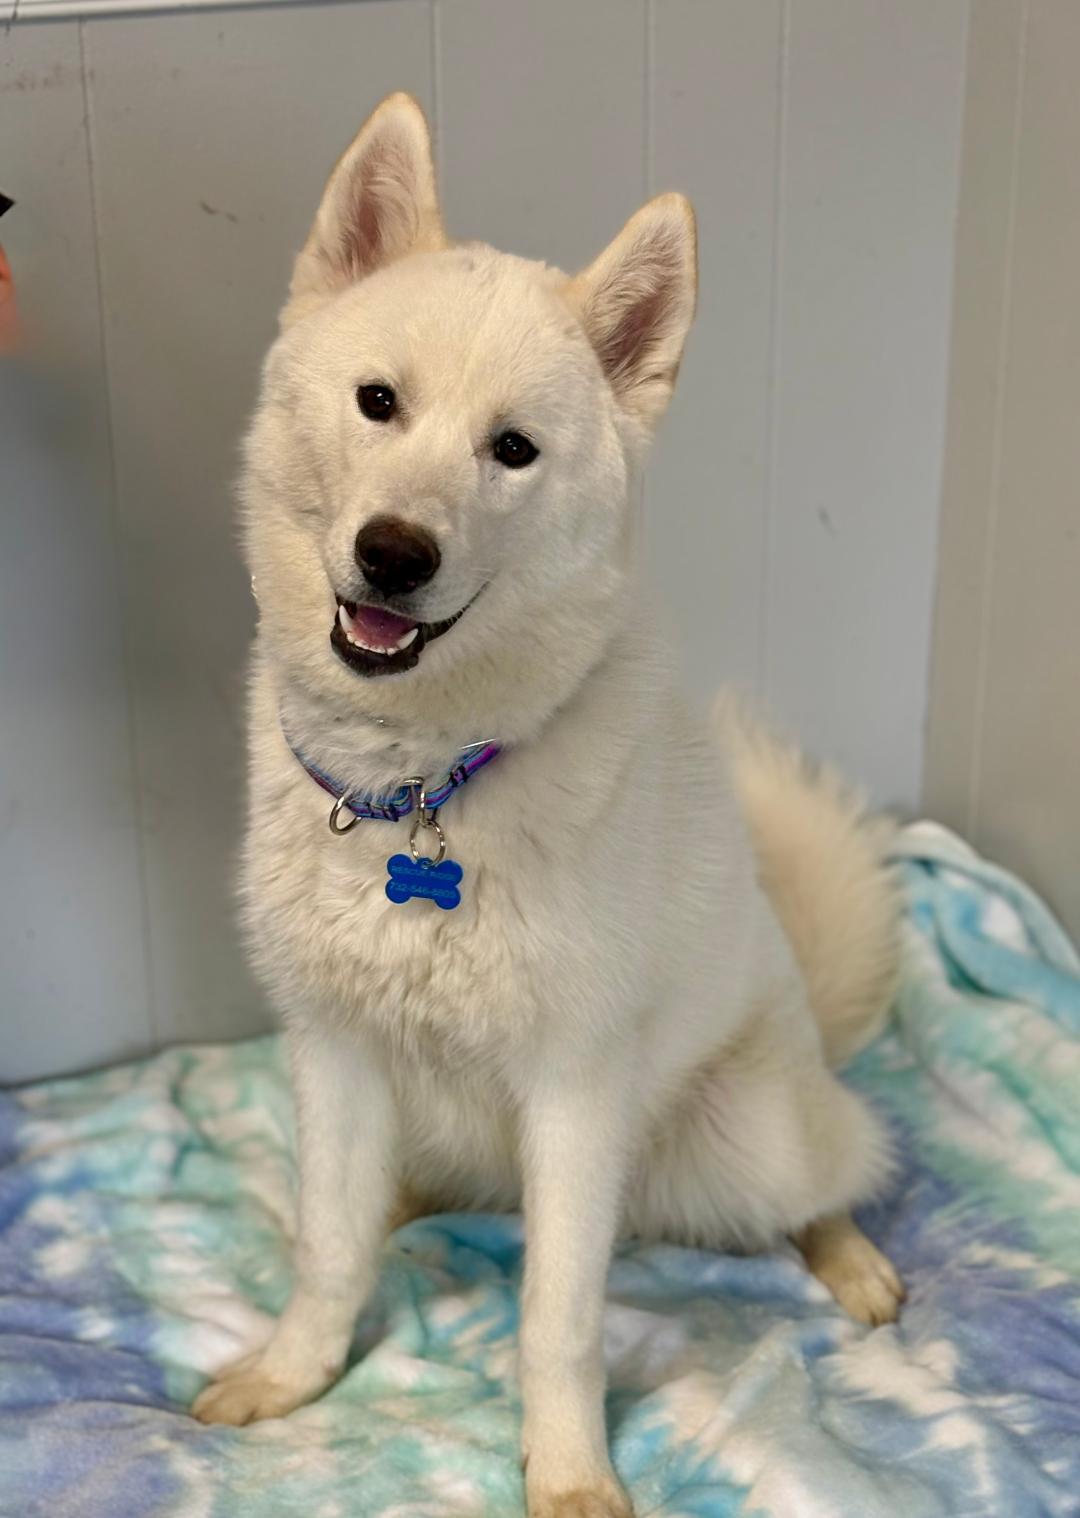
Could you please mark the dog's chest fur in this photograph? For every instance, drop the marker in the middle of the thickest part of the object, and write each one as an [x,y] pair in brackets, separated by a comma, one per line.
[441,987]
[540,913]
[609,911]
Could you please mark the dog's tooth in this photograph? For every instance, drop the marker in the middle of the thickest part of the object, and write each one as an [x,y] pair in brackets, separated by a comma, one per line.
[347,627]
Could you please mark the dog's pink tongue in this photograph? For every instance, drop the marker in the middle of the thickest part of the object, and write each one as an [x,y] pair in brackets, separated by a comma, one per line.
[373,624]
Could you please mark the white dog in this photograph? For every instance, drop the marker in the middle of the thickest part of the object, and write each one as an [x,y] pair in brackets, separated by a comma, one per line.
[667,931]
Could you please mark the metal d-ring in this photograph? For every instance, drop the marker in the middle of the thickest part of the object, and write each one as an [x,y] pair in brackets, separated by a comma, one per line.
[335,813]
[426,819]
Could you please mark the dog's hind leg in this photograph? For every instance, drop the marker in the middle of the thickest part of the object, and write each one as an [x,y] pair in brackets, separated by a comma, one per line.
[765,1141]
[856,1272]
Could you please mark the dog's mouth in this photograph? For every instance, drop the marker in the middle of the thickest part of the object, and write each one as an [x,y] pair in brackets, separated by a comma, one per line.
[372,640]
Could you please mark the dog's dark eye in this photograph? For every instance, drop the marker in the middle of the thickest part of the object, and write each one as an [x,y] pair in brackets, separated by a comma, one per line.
[376,401]
[514,450]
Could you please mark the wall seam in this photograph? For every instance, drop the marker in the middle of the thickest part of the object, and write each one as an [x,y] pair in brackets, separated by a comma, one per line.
[936,576]
[1001,386]
[776,352]
[436,81]
[647,163]
[153,1029]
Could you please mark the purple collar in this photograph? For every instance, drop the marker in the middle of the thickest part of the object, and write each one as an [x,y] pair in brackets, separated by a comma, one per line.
[410,795]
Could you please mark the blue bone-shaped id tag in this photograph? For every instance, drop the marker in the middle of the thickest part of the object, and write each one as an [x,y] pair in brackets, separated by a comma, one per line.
[423,877]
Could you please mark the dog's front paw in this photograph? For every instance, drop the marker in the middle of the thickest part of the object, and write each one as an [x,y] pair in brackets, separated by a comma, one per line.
[602,1499]
[256,1388]
[859,1276]
[866,1286]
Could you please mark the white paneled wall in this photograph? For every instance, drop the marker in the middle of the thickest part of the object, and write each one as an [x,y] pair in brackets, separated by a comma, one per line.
[73,982]
[165,167]
[716,123]
[794,510]
[1003,762]
[869,185]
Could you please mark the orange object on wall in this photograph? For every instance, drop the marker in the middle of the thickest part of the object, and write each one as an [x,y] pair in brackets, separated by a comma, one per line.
[9,315]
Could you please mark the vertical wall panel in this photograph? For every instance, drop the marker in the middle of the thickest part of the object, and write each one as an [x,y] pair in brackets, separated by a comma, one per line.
[714,114]
[541,122]
[973,456]
[1024,769]
[869,192]
[213,133]
[73,987]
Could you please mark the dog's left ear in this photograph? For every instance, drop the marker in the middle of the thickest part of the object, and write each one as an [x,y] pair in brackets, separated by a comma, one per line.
[636,302]
[379,203]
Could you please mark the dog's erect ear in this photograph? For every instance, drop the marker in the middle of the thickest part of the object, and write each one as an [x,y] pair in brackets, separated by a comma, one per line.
[379,204]
[636,302]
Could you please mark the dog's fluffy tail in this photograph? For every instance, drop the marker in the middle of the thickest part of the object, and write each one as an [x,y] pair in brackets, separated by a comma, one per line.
[821,859]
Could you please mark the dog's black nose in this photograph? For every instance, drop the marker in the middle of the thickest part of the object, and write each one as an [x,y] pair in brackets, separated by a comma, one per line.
[395,557]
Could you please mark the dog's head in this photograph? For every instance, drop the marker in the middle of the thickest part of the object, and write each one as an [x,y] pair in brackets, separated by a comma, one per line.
[437,493]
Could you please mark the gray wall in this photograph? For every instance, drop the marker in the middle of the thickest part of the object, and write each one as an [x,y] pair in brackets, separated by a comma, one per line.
[166,167]
[1003,760]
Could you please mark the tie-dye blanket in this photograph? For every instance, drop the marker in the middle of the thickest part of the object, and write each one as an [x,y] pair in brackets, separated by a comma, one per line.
[145,1214]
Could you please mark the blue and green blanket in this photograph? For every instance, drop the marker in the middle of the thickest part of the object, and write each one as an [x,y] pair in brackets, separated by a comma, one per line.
[145,1219]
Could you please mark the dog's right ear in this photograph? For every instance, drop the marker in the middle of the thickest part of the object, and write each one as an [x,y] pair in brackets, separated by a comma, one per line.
[636,303]
[379,204]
